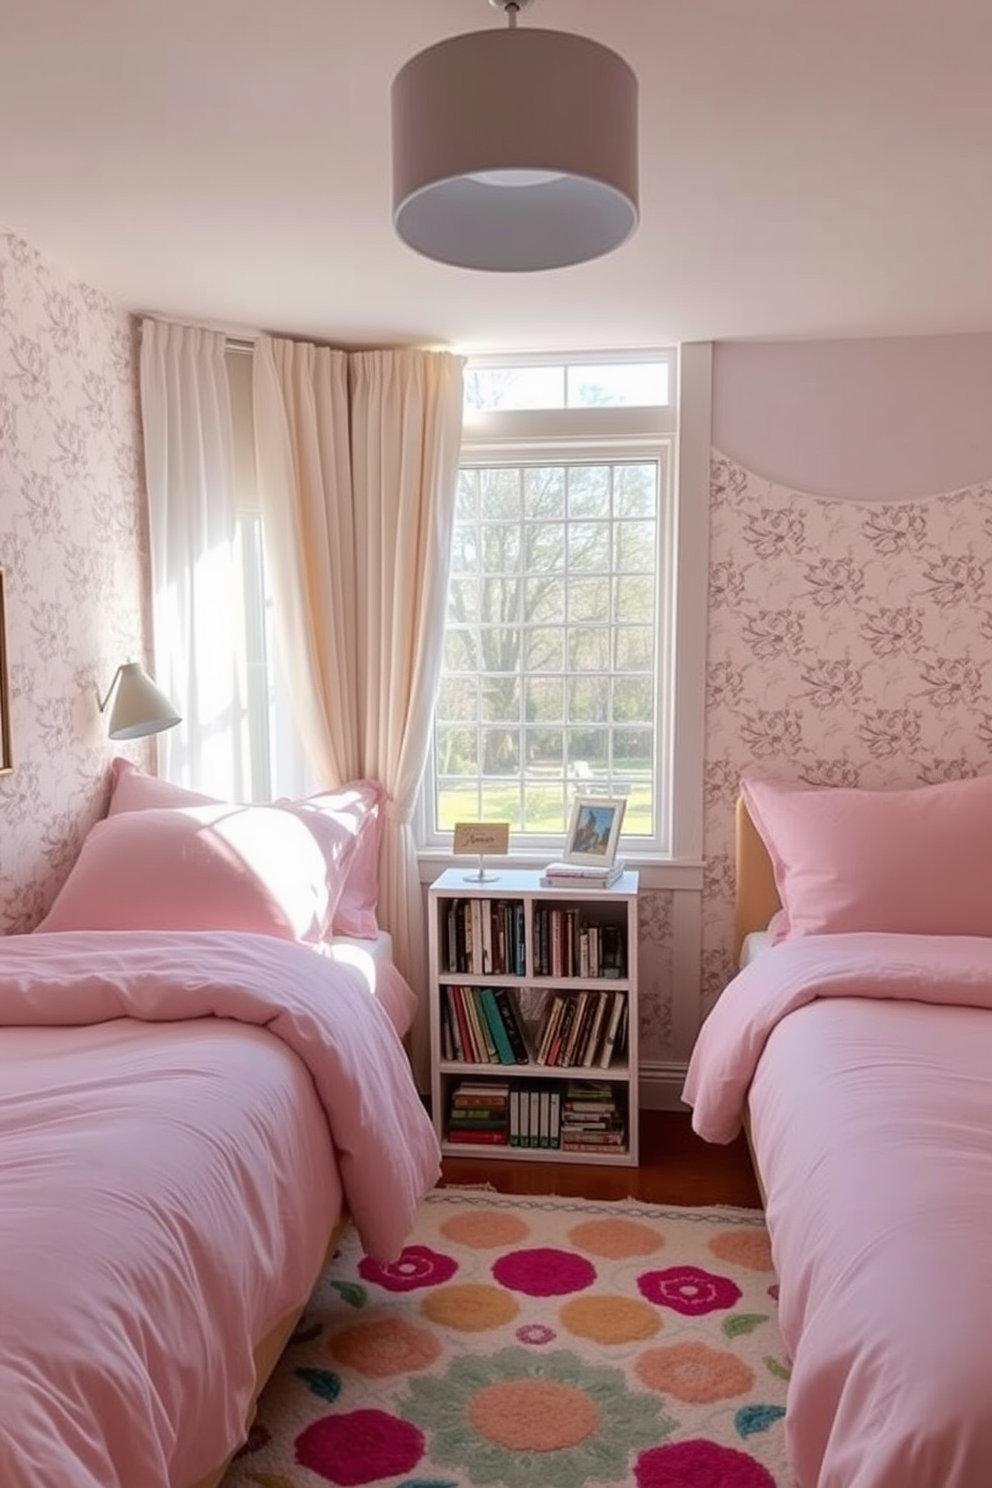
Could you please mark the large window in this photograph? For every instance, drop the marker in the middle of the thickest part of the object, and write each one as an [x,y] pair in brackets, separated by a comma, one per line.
[557,670]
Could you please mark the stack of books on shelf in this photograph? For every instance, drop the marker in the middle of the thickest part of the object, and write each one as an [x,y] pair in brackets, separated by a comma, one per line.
[481,1025]
[581,875]
[582,1028]
[479,1113]
[592,1119]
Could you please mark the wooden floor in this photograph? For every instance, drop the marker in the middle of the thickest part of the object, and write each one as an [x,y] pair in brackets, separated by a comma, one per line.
[676,1168]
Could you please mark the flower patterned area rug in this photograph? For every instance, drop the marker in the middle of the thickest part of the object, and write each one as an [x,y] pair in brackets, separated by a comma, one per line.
[535,1343]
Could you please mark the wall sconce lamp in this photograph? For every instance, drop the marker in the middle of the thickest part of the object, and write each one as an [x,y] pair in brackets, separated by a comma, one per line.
[140,707]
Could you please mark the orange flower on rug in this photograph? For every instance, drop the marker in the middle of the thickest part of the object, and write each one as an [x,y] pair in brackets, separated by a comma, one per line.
[547,1341]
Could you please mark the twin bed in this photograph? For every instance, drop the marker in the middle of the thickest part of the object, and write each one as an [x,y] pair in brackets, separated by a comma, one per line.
[856,1046]
[202,1080]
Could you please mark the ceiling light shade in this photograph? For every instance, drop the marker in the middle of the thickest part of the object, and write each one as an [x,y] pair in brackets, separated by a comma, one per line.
[515,149]
[140,707]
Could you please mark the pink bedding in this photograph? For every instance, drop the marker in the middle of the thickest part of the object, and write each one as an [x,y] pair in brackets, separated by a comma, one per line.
[866,1061]
[169,1180]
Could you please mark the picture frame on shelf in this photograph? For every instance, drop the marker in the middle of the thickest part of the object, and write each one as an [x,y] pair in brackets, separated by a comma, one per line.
[594,830]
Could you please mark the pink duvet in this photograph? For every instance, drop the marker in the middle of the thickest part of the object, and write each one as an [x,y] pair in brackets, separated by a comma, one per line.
[866,1062]
[168,1183]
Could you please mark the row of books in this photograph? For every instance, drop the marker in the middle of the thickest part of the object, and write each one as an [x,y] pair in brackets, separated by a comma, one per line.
[485,937]
[568,943]
[586,1028]
[580,1116]
[481,1025]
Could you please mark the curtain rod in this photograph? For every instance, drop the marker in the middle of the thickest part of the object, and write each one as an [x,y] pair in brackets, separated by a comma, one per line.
[238,343]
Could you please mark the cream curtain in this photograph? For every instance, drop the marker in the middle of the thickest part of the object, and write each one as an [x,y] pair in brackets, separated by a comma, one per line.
[196,589]
[357,461]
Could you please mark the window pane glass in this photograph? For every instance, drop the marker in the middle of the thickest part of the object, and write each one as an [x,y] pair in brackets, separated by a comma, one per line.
[618,384]
[544,492]
[544,650]
[501,699]
[456,751]
[589,491]
[589,650]
[589,599]
[500,493]
[544,600]
[635,599]
[500,752]
[635,547]
[457,802]
[545,548]
[590,748]
[490,389]
[589,546]
[633,700]
[588,700]
[635,489]
[545,699]
[634,649]
[544,751]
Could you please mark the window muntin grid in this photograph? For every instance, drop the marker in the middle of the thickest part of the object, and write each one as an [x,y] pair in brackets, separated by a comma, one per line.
[550,664]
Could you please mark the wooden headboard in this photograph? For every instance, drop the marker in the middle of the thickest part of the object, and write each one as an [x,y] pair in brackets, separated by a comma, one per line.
[755,895]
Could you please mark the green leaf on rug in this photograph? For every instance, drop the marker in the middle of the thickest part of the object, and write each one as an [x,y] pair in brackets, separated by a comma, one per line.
[740,1323]
[427,1483]
[751,1419]
[351,1292]
[780,1371]
[322,1382]
[307,1333]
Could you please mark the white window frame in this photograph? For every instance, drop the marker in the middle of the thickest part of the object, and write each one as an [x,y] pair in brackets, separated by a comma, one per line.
[631,433]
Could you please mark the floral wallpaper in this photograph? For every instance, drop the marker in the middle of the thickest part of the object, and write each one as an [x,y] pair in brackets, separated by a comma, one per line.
[849,644]
[73,546]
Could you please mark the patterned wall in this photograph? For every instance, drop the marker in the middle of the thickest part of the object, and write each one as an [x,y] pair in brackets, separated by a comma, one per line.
[849,644]
[72,543]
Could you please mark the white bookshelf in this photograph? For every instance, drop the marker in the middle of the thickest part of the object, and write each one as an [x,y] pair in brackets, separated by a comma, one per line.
[536,944]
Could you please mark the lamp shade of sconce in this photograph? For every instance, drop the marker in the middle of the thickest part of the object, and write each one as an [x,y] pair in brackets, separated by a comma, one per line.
[515,149]
[140,707]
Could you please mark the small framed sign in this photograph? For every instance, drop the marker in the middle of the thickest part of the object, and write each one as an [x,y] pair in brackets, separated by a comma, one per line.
[480,839]
[594,830]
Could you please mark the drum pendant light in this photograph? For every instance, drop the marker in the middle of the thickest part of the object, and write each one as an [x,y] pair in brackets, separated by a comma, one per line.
[515,149]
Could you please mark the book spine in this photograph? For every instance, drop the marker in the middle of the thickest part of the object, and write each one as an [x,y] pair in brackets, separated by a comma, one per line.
[495,1024]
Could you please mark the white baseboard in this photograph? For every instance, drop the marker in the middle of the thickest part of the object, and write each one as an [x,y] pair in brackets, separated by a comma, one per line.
[661,1087]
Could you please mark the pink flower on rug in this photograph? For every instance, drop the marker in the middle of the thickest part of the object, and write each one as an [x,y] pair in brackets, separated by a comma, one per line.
[689,1290]
[544,1272]
[699,1464]
[536,1333]
[360,1447]
[418,1266]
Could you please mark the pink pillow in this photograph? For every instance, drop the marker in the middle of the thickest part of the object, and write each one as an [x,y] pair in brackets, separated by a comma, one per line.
[197,868]
[916,861]
[355,809]
[344,822]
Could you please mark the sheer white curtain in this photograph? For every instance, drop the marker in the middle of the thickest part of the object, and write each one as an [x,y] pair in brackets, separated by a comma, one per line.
[196,585]
[357,463]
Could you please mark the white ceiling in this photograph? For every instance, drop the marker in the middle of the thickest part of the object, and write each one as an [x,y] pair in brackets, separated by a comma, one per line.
[808,168]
